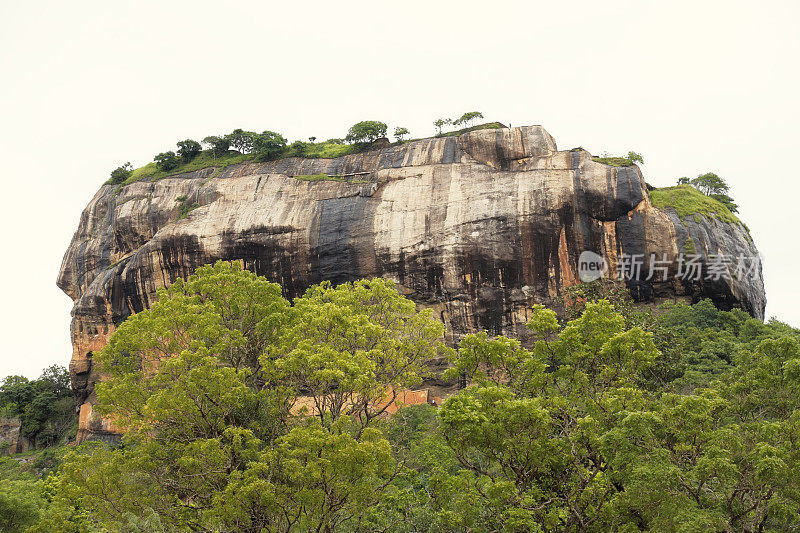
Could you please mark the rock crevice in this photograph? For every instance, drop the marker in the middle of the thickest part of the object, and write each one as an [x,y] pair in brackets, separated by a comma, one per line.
[479,227]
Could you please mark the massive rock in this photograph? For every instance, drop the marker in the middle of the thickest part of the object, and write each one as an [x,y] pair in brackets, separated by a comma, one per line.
[479,227]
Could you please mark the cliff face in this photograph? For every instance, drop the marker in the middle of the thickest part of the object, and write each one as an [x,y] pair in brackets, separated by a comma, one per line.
[478,227]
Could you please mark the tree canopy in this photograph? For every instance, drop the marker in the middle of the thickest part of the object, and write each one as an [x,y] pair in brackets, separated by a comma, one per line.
[45,406]
[207,384]
[712,185]
[241,140]
[120,174]
[218,145]
[468,118]
[366,132]
[166,160]
[188,150]
[400,133]
[268,144]
[244,411]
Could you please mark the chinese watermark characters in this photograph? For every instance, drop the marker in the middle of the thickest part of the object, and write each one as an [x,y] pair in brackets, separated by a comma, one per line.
[686,267]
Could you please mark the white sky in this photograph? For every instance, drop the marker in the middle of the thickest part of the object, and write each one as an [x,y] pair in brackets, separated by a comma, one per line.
[85,86]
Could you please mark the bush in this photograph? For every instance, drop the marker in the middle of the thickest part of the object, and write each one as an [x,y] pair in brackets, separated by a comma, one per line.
[166,160]
[299,148]
[120,174]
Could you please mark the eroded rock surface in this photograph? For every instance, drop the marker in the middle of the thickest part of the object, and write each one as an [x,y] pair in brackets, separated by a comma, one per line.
[479,227]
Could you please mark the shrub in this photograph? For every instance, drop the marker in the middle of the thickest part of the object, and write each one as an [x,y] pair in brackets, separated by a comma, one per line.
[166,160]
[120,174]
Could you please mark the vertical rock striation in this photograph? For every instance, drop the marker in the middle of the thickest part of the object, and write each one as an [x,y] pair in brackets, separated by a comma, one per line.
[479,227]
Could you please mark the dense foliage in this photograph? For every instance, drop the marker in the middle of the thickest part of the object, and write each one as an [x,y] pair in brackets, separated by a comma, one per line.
[44,406]
[246,412]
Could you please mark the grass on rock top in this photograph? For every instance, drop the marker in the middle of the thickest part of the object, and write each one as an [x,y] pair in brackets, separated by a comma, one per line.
[204,159]
[687,201]
[322,150]
[613,161]
[487,126]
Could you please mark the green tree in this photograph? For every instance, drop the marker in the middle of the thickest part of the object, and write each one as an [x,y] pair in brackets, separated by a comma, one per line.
[635,157]
[366,132]
[441,123]
[268,145]
[45,406]
[188,150]
[299,148]
[241,140]
[120,174]
[166,161]
[564,437]
[712,185]
[709,183]
[15,393]
[468,118]
[206,385]
[20,504]
[400,133]
[218,145]
[528,431]
[357,376]
[727,201]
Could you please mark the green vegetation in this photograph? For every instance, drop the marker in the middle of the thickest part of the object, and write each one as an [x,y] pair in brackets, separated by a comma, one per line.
[440,123]
[44,406]
[326,177]
[218,145]
[366,132]
[206,159]
[241,140]
[628,160]
[317,177]
[400,134]
[487,126]
[167,161]
[24,487]
[120,174]
[689,247]
[188,150]
[240,146]
[687,200]
[268,145]
[247,412]
[185,207]
[712,185]
[468,118]
[329,149]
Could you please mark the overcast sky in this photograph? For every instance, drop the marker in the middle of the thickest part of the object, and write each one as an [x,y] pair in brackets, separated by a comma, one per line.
[694,86]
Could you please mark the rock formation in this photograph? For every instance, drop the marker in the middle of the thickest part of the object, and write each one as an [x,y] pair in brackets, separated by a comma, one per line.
[12,440]
[479,227]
